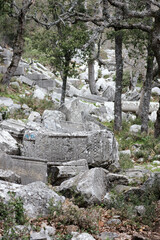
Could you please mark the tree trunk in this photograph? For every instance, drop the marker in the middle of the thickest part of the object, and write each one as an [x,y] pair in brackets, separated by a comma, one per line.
[64,79]
[147,89]
[157,124]
[91,72]
[19,42]
[119,78]
[91,77]
[156,49]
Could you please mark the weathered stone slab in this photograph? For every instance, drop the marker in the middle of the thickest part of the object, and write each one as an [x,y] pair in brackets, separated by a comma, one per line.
[36,76]
[51,119]
[18,72]
[59,172]
[29,169]
[14,127]
[9,176]
[75,108]
[90,184]
[6,101]
[132,106]
[26,80]
[7,143]
[48,84]
[36,197]
[3,69]
[99,147]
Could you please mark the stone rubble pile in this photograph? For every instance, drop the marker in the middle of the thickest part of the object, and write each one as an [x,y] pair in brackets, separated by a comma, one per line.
[66,147]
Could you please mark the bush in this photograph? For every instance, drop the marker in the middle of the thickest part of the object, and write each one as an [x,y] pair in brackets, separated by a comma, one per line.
[12,214]
[125,162]
[126,206]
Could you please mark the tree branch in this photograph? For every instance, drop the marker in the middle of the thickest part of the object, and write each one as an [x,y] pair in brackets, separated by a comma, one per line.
[135,14]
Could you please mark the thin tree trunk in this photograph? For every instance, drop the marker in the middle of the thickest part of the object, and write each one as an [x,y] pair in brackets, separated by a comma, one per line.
[91,71]
[119,77]
[156,49]
[147,89]
[64,79]
[19,42]
[91,77]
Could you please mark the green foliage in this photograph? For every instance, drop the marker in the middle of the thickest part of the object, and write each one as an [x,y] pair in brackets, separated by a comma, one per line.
[12,214]
[63,237]
[126,206]
[55,209]
[126,79]
[69,214]
[125,162]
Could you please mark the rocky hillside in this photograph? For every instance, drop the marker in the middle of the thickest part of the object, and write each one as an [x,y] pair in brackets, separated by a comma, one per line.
[100,185]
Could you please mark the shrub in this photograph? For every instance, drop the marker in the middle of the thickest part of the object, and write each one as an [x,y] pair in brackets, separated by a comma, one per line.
[125,162]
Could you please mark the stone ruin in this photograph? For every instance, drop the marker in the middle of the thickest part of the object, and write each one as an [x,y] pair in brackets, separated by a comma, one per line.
[58,155]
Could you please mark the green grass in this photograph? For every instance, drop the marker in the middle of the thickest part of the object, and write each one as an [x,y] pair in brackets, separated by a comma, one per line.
[148,145]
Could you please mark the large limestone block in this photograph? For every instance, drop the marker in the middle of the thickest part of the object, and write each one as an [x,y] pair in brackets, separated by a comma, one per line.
[9,176]
[7,143]
[51,119]
[40,93]
[36,197]
[91,185]
[109,93]
[99,148]
[75,108]
[14,127]
[59,172]
[8,102]
[133,106]
[81,236]
[102,149]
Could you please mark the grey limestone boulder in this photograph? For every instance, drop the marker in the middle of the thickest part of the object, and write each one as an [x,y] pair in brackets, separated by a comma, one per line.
[7,143]
[152,184]
[137,176]
[99,148]
[59,172]
[40,93]
[75,108]
[46,233]
[82,236]
[135,128]
[26,80]
[9,176]
[90,184]
[153,116]
[51,119]
[109,93]
[34,117]
[14,127]
[131,96]
[156,90]
[6,101]
[36,197]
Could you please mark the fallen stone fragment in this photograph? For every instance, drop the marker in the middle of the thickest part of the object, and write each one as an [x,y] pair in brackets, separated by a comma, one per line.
[9,176]
[8,144]
[81,236]
[91,185]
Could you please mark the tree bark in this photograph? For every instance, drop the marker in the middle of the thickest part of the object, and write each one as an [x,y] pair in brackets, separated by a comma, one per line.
[156,49]
[64,79]
[91,77]
[147,89]
[119,78]
[91,71]
[19,42]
